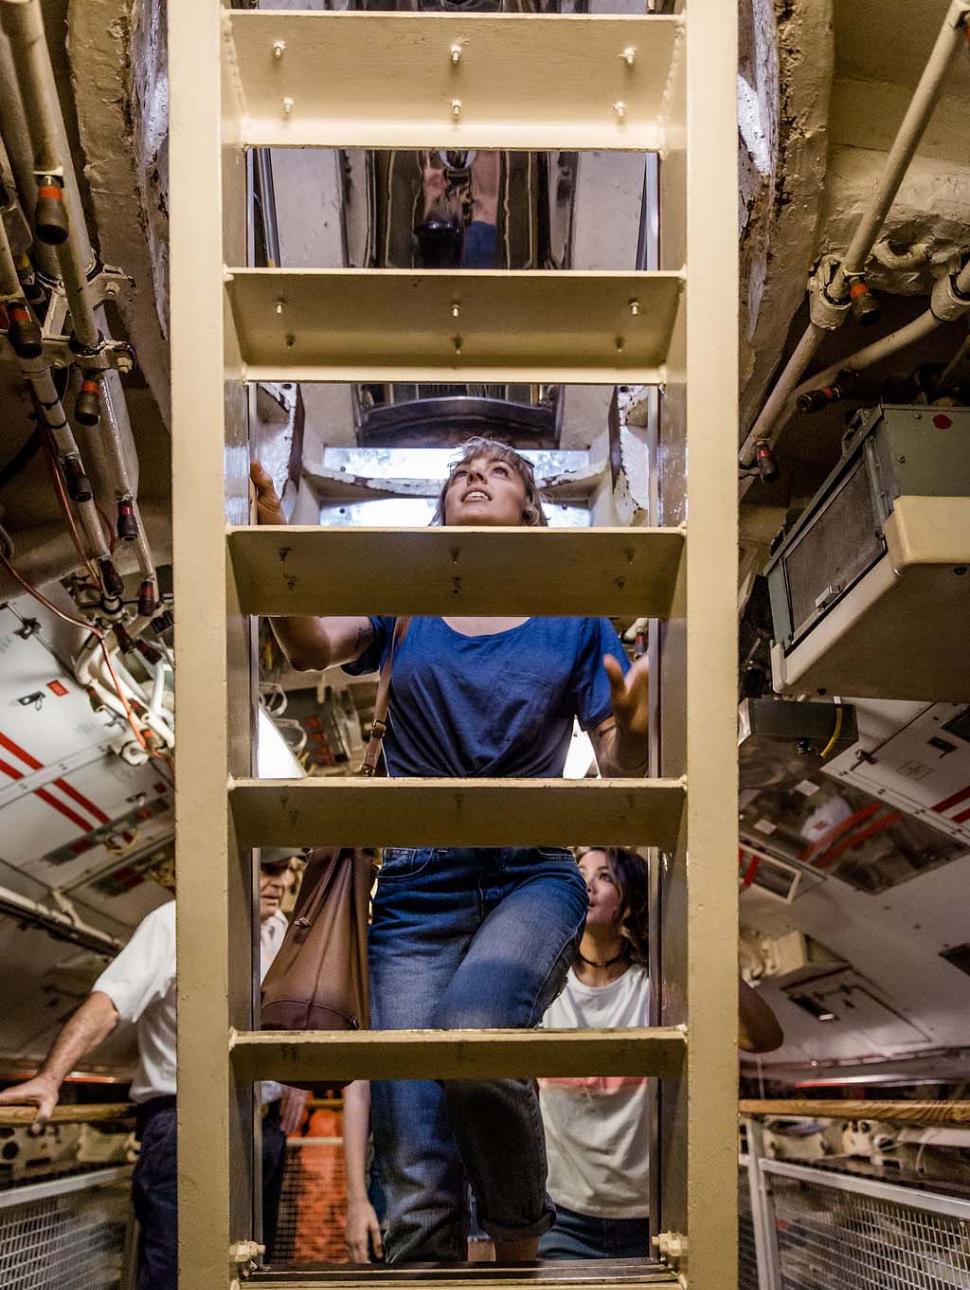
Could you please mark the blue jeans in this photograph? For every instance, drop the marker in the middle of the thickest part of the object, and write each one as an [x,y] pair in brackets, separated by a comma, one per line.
[154,1195]
[583,1236]
[466,939]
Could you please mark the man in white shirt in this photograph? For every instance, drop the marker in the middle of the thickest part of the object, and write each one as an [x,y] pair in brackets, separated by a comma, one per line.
[138,987]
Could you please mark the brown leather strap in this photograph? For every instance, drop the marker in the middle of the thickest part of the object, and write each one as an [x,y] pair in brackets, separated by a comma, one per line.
[372,754]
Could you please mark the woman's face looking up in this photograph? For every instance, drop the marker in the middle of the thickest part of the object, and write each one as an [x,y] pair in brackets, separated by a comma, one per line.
[605,898]
[484,491]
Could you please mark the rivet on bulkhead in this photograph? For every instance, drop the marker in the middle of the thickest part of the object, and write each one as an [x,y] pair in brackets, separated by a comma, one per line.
[629,55]
[618,343]
[279,305]
[279,48]
[635,308]
[287,106]
[456,53]
[457,342]
[619,111]
[455,309]
[456,108]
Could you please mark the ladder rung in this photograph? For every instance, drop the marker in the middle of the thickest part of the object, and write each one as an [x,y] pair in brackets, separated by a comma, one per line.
[584,1274]
[491,571]
[369,80]
[321,811]
[400,324]
[454,1054]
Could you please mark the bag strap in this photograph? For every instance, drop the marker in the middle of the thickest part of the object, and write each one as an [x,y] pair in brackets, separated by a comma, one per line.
[375,744]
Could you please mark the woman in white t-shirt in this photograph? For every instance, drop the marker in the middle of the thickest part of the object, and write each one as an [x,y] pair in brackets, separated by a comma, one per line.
[597,1136]
[597,1126]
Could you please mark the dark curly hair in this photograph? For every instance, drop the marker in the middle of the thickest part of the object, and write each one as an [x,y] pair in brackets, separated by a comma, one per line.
[632,878]
[532,512]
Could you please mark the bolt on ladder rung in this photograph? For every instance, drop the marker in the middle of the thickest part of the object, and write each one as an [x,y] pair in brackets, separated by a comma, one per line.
[387,80]
[545,571]
[476,325]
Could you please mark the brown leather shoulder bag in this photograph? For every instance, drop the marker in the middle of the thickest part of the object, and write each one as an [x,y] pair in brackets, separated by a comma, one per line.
[318,980]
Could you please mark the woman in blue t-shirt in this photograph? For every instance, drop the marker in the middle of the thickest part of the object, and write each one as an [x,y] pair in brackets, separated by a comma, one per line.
[475,937]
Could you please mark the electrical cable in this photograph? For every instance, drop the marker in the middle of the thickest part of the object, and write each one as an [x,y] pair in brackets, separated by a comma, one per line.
[835,733]
[89,627]
[58,481]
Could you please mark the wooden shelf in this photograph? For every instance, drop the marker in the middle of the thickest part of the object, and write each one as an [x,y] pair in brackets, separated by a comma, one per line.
[457,812]
[399,324]
[386,80]
[454,1054]
[489,571]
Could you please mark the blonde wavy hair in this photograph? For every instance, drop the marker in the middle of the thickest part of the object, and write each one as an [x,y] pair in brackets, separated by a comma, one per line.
[532,512]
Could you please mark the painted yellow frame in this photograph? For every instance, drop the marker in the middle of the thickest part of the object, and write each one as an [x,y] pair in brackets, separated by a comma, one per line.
[217,109]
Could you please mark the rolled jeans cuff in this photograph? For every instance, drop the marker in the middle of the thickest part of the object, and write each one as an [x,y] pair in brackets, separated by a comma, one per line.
[542,1225]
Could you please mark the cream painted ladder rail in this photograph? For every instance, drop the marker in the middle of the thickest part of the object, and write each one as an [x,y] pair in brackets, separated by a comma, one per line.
[242,79]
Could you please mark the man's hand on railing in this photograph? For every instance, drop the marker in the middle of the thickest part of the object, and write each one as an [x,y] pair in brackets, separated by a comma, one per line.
[41,1091]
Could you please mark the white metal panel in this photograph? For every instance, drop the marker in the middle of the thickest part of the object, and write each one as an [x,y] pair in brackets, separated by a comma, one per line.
[401,324]
[392,80]
[930,780]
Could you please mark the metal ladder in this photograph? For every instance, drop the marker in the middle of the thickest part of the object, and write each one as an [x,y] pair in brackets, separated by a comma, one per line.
[243,79]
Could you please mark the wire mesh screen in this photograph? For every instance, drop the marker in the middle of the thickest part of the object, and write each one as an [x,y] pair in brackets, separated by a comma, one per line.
[747,1254]
[839,1240]
[314,1203]
[70,1242]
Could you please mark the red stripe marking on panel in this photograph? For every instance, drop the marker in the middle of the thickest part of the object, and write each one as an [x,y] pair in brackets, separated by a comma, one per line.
[62,784]
[17,751]
[962,817]
[856,839]
[825,841]
[81,800]
[952,800]
[83,824]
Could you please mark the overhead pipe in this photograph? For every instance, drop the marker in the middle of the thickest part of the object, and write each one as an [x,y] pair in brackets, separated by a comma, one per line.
[831,301]
[57,922]
[24,24]
[38,374]
[950,300]
[13,128]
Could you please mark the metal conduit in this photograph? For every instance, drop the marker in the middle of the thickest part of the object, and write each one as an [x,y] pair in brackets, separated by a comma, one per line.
[57,922]
[38,374]
[778,406]
[13,128]
[24,25]
[947,308]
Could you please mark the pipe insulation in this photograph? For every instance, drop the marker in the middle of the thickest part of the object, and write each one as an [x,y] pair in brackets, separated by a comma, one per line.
[779,406]
[16,136]
[947,305]
[23,21]
[38,374]
[24,25]
[57,923]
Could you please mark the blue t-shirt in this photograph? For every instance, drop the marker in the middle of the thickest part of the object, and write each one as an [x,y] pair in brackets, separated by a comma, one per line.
[500,705]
